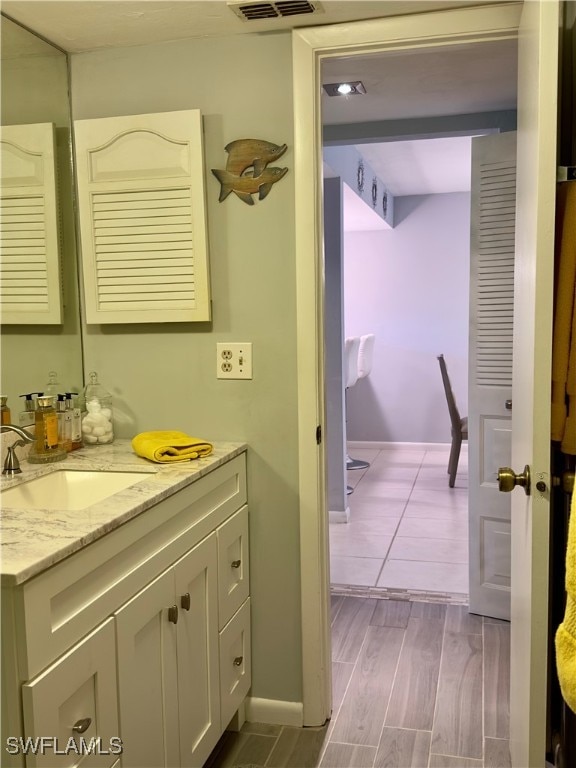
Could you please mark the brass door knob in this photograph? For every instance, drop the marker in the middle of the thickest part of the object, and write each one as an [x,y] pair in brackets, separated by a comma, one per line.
[81,726]
[508,479]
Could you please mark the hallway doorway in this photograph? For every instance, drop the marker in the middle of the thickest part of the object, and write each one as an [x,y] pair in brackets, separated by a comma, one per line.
[398,414]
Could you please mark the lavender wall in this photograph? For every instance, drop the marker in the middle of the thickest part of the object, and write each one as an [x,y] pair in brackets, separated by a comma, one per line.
[409,286]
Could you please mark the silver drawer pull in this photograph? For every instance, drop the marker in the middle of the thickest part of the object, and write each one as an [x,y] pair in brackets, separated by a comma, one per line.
[235,563]
[185,601]
[81,726]
[238,660]
[173,614]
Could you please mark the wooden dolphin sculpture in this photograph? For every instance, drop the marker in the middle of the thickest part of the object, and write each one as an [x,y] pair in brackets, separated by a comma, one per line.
[244,153]
[245,186]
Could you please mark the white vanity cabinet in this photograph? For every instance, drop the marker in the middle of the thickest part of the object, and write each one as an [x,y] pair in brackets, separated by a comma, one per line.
[75,698]
[167,665]
[143,635]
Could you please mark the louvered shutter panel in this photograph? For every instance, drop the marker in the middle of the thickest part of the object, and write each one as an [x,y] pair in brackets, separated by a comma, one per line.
[494,265]
[30,285]
[142,218]
[492,228]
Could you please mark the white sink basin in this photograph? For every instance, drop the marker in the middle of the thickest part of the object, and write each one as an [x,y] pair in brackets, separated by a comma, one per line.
[68,489]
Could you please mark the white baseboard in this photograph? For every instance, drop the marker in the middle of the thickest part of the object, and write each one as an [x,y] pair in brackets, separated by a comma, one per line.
[404,446]
[339,516]
[274,712]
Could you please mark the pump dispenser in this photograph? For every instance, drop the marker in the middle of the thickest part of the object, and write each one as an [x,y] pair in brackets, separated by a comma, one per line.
[97,427]
[76,414]
[45,448]
[26,417]
[64,424]
[4,410]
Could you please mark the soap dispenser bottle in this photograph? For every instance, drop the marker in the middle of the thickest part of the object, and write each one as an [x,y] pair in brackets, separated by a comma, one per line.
[4,410]
[76,414]
[45,448]
[27,416]
[64,424]
[97,424]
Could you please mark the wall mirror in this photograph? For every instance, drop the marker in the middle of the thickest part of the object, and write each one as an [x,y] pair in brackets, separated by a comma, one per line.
[35,89]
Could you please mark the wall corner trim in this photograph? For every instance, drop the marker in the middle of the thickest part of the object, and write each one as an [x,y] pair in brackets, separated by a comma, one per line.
[275,712]
[339,516]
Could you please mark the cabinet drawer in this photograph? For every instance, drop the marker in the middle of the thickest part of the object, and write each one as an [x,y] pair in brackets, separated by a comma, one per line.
[79,689]
[61,605]
[235,663]
[233,568]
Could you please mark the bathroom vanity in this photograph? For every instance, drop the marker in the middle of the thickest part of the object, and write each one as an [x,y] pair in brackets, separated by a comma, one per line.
[126,624]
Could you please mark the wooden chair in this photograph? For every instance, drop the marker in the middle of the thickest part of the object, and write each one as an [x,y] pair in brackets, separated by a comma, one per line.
[459,424]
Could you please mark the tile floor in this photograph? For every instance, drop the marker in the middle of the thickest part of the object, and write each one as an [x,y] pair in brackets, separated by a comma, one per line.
[415,685]
[408,530]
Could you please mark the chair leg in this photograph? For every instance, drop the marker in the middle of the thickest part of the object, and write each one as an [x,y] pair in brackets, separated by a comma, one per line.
[356,463]
[453,460]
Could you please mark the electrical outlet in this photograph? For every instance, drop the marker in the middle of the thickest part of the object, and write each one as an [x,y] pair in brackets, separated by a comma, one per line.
[234,361]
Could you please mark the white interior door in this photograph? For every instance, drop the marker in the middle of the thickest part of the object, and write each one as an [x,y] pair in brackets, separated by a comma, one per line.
[532,341]
[536,181]
[492,219]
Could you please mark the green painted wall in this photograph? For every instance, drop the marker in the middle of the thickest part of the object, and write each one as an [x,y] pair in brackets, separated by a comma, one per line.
[164,376]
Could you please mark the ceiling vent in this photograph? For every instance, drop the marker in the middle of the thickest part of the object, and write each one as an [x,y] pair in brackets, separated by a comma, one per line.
[274,10]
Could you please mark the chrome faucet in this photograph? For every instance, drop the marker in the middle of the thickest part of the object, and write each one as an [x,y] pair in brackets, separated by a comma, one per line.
[11,463]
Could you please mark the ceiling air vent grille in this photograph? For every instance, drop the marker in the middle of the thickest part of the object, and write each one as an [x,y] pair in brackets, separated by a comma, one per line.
[274,10]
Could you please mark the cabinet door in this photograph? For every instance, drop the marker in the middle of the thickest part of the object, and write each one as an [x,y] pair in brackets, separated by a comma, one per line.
[235,663]
[73,703]
[143,218]
[30,290]
[233,570]
[195,577]
[147,676]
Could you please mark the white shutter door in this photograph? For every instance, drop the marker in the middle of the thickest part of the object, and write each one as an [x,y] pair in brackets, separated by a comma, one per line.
[142,218]
[30,290]
[493,202]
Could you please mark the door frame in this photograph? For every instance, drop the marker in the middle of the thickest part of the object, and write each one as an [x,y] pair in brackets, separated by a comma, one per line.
[309,47]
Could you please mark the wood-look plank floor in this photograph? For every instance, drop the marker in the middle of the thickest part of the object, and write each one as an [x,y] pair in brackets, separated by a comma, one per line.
[415,685]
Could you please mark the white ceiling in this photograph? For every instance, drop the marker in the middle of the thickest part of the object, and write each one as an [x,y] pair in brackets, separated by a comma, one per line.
[425,167]
[79,25]
[446,81]
[449,80]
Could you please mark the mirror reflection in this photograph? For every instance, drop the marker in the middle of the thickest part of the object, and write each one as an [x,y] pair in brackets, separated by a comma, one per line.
[34,89]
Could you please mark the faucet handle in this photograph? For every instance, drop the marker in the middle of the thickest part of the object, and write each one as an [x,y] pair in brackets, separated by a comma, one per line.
[11,463]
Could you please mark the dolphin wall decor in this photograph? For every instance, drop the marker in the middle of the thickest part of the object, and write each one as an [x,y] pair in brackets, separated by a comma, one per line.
[247,170]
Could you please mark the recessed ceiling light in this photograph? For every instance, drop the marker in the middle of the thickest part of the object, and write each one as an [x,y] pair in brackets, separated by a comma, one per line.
[349,88]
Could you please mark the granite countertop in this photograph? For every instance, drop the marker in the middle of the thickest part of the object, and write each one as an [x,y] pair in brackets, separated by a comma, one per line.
[33,540]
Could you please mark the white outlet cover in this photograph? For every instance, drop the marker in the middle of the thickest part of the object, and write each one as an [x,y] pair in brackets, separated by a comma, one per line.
[234,360]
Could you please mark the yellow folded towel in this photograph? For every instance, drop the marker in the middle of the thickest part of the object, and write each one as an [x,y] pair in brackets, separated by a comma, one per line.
[566,632]
[169,445]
